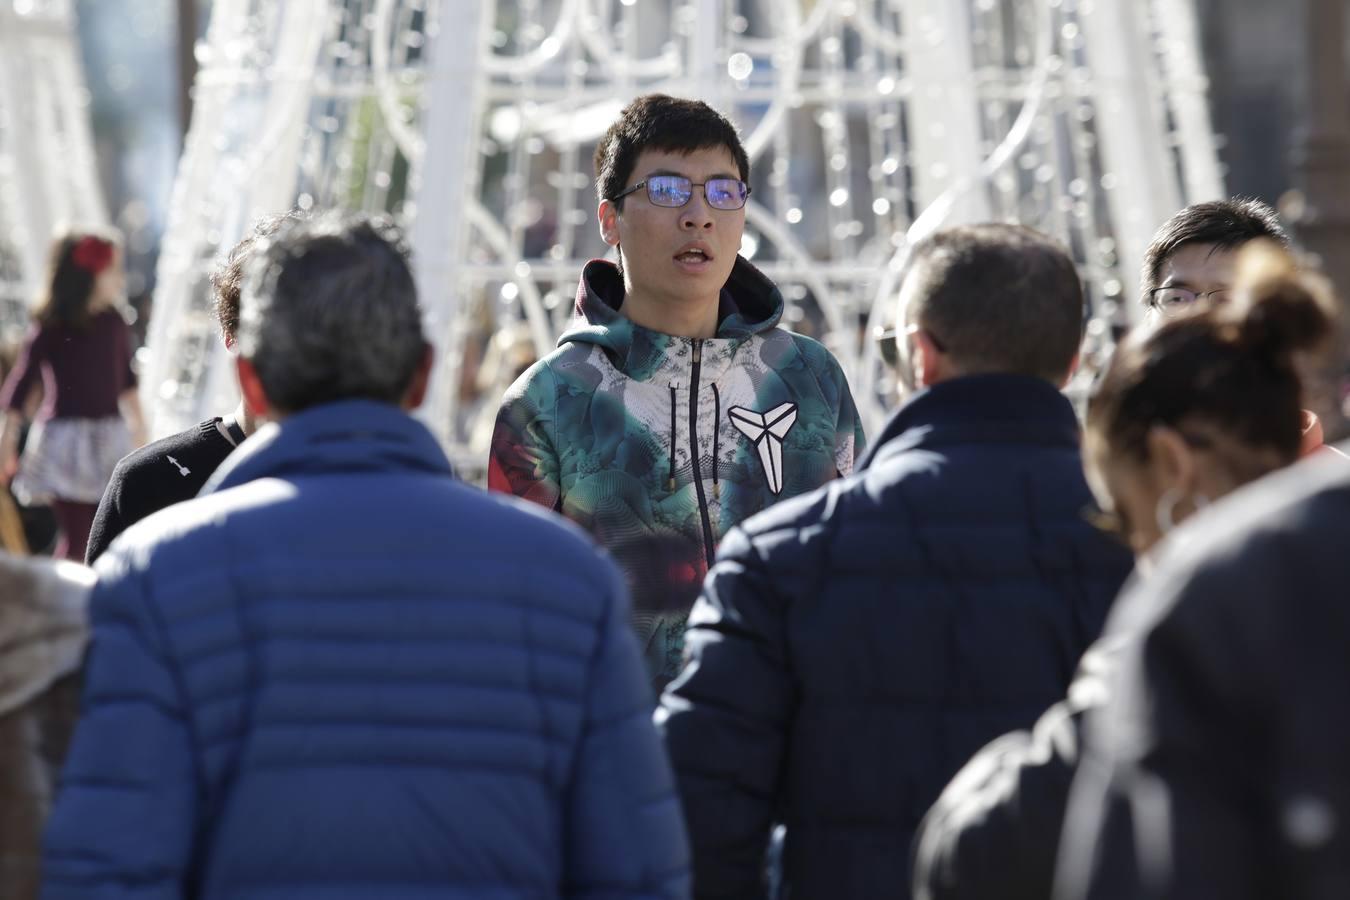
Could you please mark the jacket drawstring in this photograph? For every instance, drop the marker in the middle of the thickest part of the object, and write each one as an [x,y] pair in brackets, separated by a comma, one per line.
[717,427]
[670,483]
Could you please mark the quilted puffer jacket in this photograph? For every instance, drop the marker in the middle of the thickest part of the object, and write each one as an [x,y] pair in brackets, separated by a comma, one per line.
[854,647]
[334,674]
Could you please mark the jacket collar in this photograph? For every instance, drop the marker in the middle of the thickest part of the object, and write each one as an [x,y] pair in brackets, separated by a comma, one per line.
[347,436]
[750,304]
[979,409]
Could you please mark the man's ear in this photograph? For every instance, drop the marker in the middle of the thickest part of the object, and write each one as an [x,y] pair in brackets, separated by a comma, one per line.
[255,398]
[1172,460]
[930,364]
[608,215]
[421,380]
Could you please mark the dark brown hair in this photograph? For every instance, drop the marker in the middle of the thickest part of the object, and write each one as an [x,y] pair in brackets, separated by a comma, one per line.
[1227,224]
[228,278]
[661,122]
[70,280]
[999,298]
[1229,367]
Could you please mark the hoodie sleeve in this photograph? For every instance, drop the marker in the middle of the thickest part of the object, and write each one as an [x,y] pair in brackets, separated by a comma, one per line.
[523,459]
[849,440]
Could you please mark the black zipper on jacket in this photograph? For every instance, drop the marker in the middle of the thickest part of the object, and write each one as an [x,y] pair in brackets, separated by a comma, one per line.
[693,454]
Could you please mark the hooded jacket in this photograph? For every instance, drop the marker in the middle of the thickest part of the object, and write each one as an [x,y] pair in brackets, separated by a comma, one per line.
[331,675]
[658,445]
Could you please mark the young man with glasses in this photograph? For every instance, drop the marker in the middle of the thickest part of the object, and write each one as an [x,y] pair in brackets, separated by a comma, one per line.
[1191,257]
[1191,260]
[674,407]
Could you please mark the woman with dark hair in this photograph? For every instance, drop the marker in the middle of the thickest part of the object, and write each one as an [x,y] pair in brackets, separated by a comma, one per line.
[79,350]
[1186,412]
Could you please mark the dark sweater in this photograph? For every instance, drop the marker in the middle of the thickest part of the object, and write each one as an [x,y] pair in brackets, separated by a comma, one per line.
[169,471]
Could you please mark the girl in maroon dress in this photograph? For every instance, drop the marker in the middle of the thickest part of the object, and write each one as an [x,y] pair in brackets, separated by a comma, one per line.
[79,351]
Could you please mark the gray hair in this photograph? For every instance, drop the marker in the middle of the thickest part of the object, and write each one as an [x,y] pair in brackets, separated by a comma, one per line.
[329,312]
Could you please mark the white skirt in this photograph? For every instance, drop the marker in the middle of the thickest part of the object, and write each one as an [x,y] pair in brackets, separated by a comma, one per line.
[70,459]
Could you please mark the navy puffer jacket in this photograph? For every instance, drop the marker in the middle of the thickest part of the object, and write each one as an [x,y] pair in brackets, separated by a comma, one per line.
[854,647]
[341,673]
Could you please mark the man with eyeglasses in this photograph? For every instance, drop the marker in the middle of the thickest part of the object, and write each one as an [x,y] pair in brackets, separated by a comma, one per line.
[1190,261]
[1191,257]
[852,649]
[674,407]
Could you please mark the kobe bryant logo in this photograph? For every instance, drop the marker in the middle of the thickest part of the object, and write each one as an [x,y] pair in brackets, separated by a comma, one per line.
[766,431]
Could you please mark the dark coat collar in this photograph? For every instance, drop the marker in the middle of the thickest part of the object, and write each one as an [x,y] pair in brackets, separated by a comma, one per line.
[348,436]
[979,409]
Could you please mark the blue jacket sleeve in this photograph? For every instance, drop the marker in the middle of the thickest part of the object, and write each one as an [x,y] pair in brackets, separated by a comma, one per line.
[625,836]
[125,817]
[726,721]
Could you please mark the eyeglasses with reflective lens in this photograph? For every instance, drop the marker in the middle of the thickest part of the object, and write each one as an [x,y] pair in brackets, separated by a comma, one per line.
[1171,301]
[674,191]
[885,338]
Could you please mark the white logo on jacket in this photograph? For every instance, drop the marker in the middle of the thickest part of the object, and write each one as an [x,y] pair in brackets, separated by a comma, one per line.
[766,431]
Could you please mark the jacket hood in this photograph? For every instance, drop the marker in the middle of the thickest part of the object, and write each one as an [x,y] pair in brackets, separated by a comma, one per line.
[750,304]
[44,608]
[349,436]
[976,408]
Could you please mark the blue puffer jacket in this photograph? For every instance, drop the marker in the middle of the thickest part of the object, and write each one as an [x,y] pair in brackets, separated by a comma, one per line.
[341,673]
[854,647]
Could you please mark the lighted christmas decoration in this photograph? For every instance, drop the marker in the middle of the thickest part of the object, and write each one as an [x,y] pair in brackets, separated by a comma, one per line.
[869,122]
[47,171]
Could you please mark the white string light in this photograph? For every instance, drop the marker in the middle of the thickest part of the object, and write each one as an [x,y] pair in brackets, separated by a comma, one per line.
[846,173]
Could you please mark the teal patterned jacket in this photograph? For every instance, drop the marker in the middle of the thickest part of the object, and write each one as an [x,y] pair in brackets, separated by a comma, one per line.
[658,445]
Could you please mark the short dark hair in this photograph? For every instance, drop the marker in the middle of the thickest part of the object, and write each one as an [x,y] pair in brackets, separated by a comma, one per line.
[997,298]
[329,312]
[661,122]
[1225,223]
[228,278]
[1230,366]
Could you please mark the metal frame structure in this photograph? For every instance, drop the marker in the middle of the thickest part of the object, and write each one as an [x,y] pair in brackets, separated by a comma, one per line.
[869,123]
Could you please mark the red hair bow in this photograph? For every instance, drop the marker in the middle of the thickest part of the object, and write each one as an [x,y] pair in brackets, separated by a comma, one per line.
[92,254]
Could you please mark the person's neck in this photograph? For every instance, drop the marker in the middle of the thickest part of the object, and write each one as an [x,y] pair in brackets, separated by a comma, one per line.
[693,318]
[245,419]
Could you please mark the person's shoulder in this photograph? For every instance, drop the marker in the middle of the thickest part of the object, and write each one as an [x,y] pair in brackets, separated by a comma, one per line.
[1310,498]
[806,516]
[540,383]
[164,537]
[542,548]
[1276,537]
[818,357]
[527,524]
[148,461]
